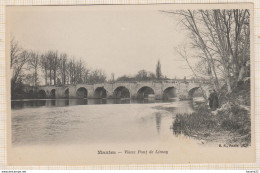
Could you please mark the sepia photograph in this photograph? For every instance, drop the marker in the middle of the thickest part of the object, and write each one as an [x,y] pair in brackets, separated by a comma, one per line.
[130,84]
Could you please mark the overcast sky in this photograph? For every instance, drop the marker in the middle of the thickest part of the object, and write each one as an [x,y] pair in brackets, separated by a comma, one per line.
[116,39]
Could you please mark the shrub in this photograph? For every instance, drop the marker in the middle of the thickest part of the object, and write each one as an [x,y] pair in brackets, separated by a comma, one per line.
[231,119]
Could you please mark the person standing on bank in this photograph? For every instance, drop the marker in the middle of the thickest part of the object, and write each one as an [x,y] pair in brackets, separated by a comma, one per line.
[213,100]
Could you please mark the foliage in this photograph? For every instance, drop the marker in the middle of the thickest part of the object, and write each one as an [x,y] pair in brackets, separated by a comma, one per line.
[126,78]
[97,76]
[145,75]
[141,75]
[233,122]
[17,88]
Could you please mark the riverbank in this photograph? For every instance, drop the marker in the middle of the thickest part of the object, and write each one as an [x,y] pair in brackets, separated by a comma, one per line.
[230,125]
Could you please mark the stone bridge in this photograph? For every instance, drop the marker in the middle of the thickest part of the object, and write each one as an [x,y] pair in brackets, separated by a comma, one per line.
[133,90]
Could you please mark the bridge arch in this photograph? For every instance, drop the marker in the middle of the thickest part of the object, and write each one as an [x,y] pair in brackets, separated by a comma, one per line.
[100,92]
[82,92]
[121,92]
[195,92]
[145,92]
[53,94]
[67,93]
[41,94]
[169,93]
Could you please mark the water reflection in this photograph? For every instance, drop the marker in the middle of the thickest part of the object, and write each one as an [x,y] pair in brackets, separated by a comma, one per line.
[158,118]
[19,104]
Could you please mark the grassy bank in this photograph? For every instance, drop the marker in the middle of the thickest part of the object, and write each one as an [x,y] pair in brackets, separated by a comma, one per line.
[230,124]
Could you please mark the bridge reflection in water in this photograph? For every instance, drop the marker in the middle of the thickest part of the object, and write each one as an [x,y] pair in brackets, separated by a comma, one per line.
[33,103]
[57,121]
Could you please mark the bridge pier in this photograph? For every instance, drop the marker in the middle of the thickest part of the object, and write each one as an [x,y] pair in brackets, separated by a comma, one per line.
[91,94]
[47,94]
[60,92]
[72,92]
[159,95]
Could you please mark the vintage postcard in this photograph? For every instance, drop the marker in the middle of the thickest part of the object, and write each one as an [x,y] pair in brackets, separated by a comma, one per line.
[130,84]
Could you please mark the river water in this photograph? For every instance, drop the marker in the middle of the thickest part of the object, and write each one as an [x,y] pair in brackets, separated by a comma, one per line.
[94,120]
[73,132]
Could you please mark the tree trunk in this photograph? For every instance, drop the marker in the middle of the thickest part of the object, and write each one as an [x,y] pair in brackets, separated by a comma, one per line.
[35,76]
[64,75]
[46,74]
[50,77]
[54,76]
[241,73]
[54,68]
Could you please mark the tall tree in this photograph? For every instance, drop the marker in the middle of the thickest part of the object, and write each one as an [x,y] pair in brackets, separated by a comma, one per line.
[18,66]
[158,70]
[71,68]
[34,63]
[222,38]
[49,58]
[44,65]
[15,51]
[54,66]
[112,77]
[62,67]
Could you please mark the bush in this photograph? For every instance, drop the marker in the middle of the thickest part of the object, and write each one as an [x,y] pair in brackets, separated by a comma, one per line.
[230,119]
